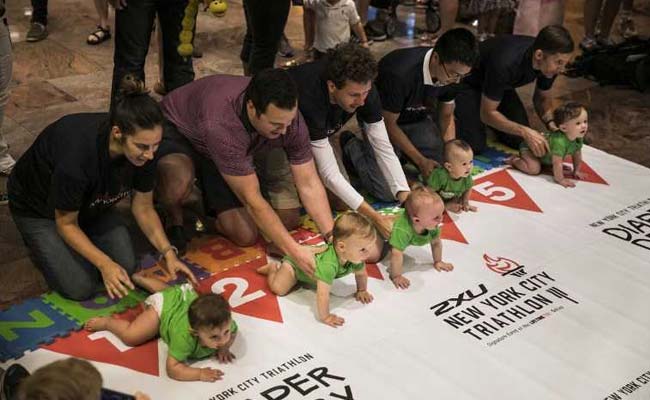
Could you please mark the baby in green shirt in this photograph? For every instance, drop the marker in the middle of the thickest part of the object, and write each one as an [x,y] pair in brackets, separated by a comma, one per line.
[453,180]
[192,325]
[571,119]
[353,237]
[418,224]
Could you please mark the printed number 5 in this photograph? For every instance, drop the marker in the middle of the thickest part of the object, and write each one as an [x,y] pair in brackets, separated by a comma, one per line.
[238,297]
[496,193]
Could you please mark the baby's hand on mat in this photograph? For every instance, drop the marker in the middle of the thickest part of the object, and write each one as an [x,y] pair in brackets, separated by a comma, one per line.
[333,320]
[400,282]
[567,183]
[468,207]
[210,374]
[578,175]
[443,266]
[363,296]
[225,356]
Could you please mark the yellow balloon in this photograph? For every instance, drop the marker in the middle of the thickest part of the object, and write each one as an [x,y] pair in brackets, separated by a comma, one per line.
[185,49]
[185,36]
[218,8]
[188,23]
[191,10]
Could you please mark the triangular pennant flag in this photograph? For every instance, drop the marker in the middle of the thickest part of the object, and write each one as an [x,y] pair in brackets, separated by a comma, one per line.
[588,174]
[450,231]
[246,291]
[107,348]
[373,271]
[501,188]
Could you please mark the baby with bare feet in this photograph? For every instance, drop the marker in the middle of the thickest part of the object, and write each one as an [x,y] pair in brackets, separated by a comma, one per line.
[571,119]
[352,239]
[193,326]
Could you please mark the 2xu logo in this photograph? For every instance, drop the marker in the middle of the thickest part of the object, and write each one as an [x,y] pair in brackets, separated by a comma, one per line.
[453,302]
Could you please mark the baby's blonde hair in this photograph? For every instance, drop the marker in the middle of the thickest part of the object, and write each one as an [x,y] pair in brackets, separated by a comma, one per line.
[352,223]
[419,197]
[69,379]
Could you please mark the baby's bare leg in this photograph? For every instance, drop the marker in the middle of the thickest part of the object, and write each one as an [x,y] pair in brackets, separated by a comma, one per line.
[526,162]
[282,279]
[143,328]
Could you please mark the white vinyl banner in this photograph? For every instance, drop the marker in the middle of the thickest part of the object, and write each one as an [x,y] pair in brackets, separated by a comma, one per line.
[549,299]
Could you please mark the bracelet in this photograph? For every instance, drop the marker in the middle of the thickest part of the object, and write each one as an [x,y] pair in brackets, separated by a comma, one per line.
[166,250]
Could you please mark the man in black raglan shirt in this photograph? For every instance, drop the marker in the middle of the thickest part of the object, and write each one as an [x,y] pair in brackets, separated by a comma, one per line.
[410,83]
[506,63]
[331,91]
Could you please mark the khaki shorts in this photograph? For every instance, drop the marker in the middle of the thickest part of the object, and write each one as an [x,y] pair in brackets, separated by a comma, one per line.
[276,179]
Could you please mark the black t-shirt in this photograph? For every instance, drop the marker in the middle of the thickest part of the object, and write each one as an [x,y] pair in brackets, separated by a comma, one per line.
[322,117]
[401,85]
[506,63]
[68,168]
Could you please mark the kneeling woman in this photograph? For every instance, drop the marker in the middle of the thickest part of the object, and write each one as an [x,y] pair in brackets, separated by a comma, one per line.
[62,191]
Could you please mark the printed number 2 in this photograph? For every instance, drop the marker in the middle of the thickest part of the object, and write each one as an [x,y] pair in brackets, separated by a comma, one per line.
[496,193]
[238,297]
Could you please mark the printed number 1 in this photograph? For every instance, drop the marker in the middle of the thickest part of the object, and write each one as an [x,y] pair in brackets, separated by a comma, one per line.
[238,297]
[496,193]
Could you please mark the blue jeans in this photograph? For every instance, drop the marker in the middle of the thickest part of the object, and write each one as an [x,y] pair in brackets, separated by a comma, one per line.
[133,26]
[423,134]
[65,270]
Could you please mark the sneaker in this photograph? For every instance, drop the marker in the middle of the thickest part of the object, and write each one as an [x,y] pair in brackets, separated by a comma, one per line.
[626,27]
[285,50]
[177,238]
[588,44]
[375,33]
[37,32]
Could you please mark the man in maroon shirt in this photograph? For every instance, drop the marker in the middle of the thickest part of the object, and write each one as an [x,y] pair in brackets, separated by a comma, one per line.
[219,128]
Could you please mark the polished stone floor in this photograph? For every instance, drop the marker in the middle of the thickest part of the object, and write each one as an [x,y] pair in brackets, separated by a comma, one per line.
[63,75]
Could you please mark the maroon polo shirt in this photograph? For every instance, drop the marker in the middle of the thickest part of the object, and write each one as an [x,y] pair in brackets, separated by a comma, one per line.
[210,113]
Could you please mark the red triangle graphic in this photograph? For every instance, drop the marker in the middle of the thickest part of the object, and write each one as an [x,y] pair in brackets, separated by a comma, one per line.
[246,291]
[450,231]
[143,358]
[589,175]
[373,271]
[501,188]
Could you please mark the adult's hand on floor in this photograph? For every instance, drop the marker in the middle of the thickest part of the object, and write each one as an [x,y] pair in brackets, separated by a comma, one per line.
[116,280]
[175,265]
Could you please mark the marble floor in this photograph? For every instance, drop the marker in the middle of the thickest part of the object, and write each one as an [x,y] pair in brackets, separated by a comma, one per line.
[63,75]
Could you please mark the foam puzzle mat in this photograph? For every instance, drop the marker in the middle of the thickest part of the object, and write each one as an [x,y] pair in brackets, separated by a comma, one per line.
[548,300]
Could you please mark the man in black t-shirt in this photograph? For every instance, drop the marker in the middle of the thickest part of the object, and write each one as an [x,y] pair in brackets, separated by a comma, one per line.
[489,97]
[331,91]
[410,83]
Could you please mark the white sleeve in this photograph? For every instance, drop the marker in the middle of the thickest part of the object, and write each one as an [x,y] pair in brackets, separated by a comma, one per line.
[386,159]
[331,175]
